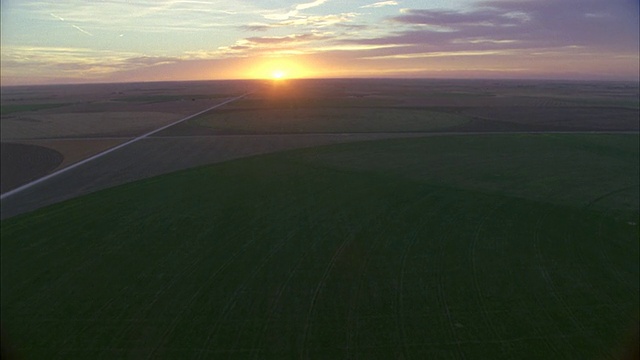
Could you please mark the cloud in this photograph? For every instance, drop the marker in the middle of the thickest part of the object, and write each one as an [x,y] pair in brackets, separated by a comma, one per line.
[308,21]
[293,11]
[319,21]
[310,5]
[440,54]
[453,19]
[256,27]
[289,39]
[73,62]
[487,34]
[380,4]
[519,24]
[159,16]
[270,46]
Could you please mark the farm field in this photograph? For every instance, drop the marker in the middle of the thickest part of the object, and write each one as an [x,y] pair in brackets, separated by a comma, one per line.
[92,118]
[477,248]
[81,120]
[337,106]
[322,219]
[23,163]
[160,155]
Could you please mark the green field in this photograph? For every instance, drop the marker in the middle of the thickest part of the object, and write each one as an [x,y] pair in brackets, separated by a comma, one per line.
[10,109]
[482,247]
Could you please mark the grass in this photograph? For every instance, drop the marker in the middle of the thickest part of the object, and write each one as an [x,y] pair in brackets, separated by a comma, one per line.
[10,109]
[328,120]
[387,249]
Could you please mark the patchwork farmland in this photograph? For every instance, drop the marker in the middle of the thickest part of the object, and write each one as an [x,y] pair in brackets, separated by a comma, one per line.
[322,219]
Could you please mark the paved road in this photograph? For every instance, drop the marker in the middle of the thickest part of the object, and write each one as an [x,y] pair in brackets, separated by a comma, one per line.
[108,151]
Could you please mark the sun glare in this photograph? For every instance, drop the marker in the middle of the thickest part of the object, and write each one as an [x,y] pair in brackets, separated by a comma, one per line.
[277,69]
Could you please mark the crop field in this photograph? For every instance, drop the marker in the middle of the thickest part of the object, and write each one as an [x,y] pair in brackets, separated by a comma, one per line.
[155,156]
[418,106]
[102,110]
[75,122]
[22,163]
[8,109]
[486,246]
[74,150]
[80,125]
[443,219]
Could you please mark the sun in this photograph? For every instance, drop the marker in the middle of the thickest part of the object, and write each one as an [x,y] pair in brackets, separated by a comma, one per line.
[278,75]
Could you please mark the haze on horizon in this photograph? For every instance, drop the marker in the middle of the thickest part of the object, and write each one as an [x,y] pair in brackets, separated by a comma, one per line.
[70,41]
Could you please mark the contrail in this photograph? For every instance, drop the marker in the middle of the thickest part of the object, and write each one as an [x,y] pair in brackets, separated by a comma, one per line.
[82,30]
[74,26]
[56,16]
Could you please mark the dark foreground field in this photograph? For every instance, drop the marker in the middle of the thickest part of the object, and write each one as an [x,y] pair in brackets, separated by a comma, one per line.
[477,247]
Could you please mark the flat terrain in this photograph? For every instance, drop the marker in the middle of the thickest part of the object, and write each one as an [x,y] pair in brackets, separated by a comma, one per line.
[495,246]
[357,106]
[160,155]
[92,118]
[407,219]
[22,163]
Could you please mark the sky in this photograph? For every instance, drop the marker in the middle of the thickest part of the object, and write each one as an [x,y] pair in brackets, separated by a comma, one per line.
[71,41]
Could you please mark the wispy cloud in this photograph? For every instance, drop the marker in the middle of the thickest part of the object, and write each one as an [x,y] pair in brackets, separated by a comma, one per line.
[320,20]
[73,62]
[146,34]
[518,24]
[310,5]
[380,4]
[256,27]
[296,38]
[304,43]
[439,54]
[306,21]
[292,11]
[141,15]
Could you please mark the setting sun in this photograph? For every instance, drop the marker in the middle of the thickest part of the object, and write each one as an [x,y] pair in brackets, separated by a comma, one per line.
[278,69]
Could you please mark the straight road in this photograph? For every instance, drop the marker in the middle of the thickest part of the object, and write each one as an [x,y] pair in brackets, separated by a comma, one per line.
[99,155]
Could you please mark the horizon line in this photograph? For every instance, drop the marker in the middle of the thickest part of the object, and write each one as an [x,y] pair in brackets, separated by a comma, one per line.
[545,79]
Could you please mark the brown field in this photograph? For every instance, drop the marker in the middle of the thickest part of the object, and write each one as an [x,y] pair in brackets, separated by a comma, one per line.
[424,106]
[75,122]
[274,117]
[103,110]
[88,93]
[78,125]
[22,163]
[160,155]
[74,150]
